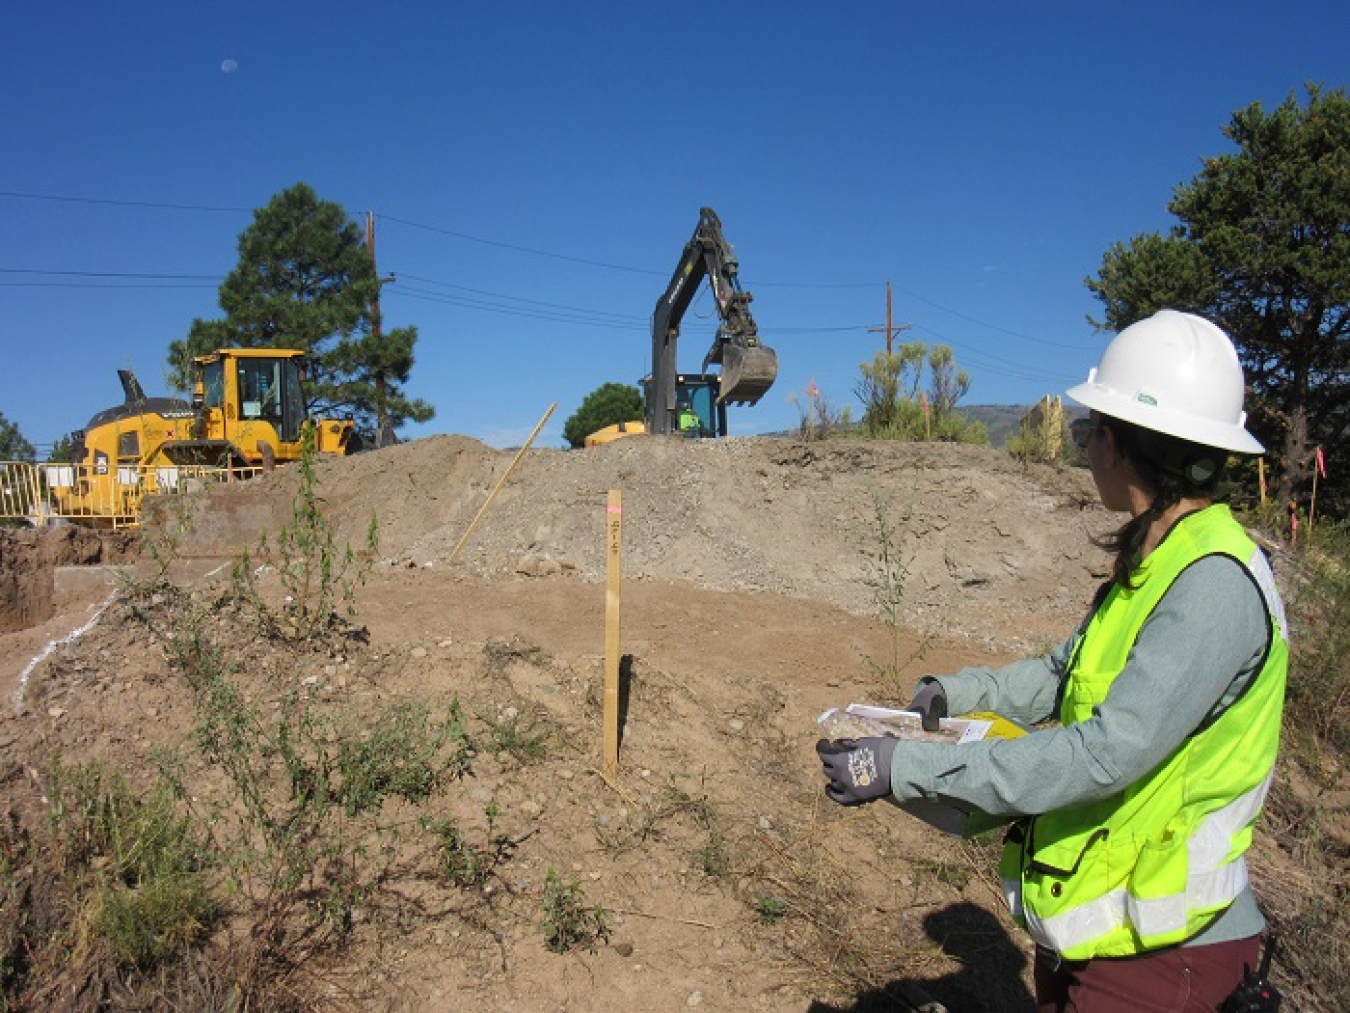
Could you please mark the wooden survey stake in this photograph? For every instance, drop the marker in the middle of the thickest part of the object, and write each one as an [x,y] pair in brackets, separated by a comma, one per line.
[613,572]
[500,482]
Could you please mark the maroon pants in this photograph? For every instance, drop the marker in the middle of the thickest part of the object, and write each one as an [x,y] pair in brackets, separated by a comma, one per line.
[1182,979]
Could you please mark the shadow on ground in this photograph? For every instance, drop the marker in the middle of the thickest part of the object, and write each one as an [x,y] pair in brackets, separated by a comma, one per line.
[990,979]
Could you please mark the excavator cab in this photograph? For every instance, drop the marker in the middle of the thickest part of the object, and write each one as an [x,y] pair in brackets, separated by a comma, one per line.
[701,414]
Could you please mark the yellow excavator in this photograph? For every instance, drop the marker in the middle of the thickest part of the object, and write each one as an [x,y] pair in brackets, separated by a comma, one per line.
[695,404]
[247,413]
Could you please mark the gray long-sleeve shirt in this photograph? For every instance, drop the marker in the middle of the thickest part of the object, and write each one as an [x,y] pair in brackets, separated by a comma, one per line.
[1207,635]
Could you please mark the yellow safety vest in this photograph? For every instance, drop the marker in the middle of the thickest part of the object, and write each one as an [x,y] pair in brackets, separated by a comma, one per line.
[1153,864]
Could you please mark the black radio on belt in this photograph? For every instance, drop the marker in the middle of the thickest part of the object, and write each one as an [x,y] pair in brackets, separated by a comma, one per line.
[1256,994]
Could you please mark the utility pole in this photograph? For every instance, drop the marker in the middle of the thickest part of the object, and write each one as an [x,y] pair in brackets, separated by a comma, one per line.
[384,430]
[890,331]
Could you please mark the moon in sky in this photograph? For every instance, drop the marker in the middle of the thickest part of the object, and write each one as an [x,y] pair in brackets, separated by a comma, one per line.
[229,67]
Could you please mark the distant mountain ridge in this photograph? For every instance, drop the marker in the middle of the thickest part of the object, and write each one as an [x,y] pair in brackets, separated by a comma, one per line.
[1004,420]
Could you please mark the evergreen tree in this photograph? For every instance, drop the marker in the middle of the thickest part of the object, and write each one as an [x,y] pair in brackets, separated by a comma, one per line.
[1262,248]
[13,447]
[306,279]
[63,451]
[607,404]
[377,365]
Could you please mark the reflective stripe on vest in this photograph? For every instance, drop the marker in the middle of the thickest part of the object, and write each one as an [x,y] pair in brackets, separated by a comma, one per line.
[1212,882]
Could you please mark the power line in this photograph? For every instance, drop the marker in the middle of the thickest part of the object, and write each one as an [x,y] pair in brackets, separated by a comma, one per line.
[1017,370]
[480,240]
[992,327]
[120,203]
[112,274]
[628,317]
[108,285]
[579,317]
[518,249]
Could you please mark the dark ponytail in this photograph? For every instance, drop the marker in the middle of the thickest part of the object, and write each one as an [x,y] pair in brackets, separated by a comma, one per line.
[1174,469]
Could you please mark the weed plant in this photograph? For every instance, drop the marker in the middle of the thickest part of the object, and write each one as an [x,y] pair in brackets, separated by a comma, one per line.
[887,560]
[165,520]
[570,921]
[459,861]
[500,653]
[299,779]
[768,908]
[17,932]
[518,734]
[406,755]
[298,835]
[316,577]
[136,860]
[1040,437]
[1318,705]
[819,419]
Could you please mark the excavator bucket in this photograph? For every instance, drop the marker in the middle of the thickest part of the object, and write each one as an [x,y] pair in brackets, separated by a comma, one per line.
[747,373]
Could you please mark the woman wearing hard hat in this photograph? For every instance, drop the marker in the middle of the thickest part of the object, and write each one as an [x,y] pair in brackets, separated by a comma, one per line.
[1132,813]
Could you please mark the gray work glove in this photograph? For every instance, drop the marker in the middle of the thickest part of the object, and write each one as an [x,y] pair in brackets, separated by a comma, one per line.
[858,770]
[930,702]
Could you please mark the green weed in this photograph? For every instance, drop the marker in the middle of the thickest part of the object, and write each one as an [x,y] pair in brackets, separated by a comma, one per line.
[1313,925]
[955,876]
[406,755]
[887,560]
[768,908]
[714,858]
[518,734]
[137,859]
[1318,703]
[16,928]
[569,920]
[316,576]
[461,862]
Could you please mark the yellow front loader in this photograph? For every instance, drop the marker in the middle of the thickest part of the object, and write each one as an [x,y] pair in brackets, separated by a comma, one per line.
[247,414]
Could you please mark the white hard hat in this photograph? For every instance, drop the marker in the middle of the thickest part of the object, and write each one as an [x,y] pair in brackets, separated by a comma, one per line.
[1173,373]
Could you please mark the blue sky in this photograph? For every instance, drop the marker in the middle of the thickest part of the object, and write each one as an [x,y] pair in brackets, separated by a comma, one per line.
[536,168]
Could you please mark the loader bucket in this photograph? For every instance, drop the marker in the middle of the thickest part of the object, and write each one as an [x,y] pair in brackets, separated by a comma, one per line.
[747,373]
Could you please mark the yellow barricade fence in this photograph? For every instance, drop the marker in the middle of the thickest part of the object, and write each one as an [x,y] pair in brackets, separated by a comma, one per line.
[104,497]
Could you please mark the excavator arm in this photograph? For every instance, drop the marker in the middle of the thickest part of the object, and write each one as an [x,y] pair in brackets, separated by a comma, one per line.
[749,367]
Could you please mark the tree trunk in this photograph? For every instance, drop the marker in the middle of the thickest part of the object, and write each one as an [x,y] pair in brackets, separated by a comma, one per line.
[1295,471]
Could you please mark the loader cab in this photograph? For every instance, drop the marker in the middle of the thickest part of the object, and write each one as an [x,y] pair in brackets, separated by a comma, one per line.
[247,388]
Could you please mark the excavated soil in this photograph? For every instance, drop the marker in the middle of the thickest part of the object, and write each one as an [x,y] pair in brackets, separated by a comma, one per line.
[756,579]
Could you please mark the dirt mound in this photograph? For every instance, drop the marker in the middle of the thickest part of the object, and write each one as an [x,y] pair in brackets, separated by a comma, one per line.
[976,537]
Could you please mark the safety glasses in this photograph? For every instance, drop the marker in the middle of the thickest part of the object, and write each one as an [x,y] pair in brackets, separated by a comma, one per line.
[1081,430]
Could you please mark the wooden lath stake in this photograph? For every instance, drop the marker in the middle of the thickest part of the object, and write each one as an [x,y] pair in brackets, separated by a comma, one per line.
[613,588]
[500,482]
